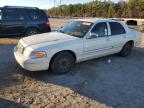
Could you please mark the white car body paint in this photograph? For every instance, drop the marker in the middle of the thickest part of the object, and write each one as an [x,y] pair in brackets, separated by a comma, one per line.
[83,48]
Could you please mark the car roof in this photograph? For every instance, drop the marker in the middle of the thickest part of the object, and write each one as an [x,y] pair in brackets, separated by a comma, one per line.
[94,20]
[19,7]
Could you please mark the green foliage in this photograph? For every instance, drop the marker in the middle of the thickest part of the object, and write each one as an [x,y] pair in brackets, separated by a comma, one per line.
[132,8]
[111,10]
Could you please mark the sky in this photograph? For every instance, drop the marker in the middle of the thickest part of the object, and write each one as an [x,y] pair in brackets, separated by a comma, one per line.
[43,4]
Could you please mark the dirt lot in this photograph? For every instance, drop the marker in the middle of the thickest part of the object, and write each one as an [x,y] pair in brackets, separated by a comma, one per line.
[95,83]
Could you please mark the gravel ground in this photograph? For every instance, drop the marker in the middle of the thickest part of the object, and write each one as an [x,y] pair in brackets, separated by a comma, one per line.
[94,83]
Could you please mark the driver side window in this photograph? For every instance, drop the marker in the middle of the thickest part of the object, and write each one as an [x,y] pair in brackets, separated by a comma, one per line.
[100,29]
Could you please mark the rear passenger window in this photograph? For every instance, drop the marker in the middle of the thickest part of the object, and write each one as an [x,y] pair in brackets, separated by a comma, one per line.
[36,14]
[116,28]
[12,14]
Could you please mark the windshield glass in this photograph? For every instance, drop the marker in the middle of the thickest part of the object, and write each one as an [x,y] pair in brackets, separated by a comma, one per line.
[76,28]
[0,14]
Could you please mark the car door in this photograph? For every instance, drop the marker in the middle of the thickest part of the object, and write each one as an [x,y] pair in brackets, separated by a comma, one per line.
[97,44]
[13,21]
[117,37]
[0,27]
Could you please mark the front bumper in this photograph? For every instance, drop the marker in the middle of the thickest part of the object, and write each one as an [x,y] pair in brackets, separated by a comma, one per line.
[31,64]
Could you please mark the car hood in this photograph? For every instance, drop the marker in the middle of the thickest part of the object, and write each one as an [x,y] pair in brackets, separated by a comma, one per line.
[51,38]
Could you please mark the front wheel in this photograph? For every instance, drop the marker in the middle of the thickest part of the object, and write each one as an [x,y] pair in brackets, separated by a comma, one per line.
[127,49]
[62,63]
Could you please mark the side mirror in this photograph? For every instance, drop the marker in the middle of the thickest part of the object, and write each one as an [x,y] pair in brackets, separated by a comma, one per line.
[92,35]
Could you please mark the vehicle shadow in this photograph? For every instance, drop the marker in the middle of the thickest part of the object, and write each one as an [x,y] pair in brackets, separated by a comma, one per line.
[8,67]
[10,104]
[11,36]
[118,83]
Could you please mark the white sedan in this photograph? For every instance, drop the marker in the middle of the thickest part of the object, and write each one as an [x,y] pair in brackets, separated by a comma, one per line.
[80,40]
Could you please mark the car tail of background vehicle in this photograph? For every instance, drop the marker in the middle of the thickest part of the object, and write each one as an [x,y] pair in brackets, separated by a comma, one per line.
[16,20]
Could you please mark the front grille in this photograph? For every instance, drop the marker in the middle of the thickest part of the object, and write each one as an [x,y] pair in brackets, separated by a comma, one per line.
[20,48]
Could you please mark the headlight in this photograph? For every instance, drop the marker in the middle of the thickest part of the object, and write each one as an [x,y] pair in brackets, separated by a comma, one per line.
[27,52]
[38,54]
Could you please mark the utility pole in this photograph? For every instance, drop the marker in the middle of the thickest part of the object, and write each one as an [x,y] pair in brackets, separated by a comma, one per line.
[56,4]
[60,8]
[109,1]
[92,8]
[54,8]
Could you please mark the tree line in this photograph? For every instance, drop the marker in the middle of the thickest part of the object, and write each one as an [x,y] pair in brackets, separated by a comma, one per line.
[108,9]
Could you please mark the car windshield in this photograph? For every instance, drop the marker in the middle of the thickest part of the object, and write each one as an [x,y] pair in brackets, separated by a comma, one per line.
[0,14]
[76,28]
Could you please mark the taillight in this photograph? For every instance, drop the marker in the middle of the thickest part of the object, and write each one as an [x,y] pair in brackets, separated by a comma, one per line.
[48,24]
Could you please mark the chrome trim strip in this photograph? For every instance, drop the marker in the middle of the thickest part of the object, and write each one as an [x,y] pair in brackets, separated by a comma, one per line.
[101,49]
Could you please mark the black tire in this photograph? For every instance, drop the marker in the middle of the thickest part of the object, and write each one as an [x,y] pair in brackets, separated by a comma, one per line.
[31,31]
[62,63]
[127,49]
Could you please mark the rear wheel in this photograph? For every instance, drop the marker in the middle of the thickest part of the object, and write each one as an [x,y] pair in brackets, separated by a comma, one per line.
[127,49]
[62,63]
[31,31]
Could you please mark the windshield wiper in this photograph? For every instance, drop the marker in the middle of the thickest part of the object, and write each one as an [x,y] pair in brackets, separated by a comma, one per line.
[74,35]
